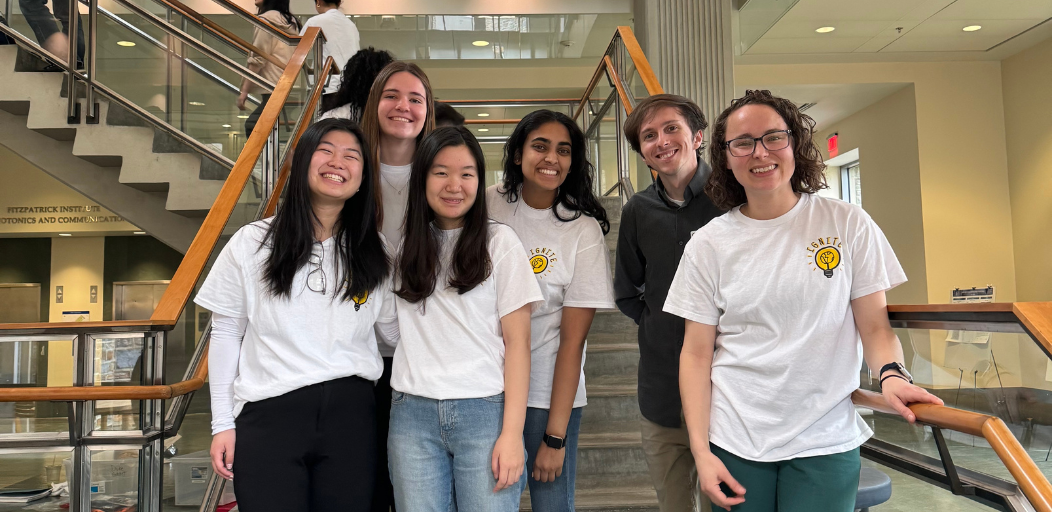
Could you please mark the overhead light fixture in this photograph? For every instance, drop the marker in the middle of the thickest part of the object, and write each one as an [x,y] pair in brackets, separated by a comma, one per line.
[972,28]
[387,17]
[125,43]
[226,126]
[483,114]
[825,30]
[242,116]
[480,43]
[65,234]
[483,129]
[197,103]
[138,232]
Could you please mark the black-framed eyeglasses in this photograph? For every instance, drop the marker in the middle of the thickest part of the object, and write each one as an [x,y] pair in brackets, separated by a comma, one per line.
[746,146]
[316,277]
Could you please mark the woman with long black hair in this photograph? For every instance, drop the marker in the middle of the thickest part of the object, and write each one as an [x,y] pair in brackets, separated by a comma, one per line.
[293,353]
[275,12]
[356,81]
[547,198]
[462,366]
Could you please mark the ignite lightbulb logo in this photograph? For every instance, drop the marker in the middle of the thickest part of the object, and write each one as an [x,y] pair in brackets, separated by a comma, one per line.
[824,254]
[360,299]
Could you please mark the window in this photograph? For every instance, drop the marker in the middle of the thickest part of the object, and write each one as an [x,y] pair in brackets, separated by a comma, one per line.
[851,183]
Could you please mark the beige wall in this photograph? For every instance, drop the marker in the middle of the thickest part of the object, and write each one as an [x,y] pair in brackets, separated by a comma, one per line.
[76,265]
[963,180]
[885,134]
[1026,78]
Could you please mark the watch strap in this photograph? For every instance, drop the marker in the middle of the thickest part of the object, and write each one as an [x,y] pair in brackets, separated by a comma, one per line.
[897,366]
[891,376]
[554,442]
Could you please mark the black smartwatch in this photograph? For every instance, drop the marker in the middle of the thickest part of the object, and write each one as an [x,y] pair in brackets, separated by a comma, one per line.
[554,442]
[897,366]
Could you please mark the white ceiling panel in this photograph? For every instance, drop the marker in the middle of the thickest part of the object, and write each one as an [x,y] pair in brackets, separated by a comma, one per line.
[807,45]
[806,28]
[946,36]
[1037,10]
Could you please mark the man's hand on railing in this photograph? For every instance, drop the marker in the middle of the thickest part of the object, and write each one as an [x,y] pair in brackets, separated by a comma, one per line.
[222,453]
[899,393]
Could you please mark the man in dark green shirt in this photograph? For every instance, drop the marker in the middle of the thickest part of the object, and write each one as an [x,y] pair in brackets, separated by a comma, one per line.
[666,130]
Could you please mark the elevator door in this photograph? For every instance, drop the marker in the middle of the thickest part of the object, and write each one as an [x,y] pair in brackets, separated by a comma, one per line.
[136,300]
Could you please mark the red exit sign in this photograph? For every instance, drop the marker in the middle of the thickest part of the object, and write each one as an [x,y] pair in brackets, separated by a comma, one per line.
[831,144]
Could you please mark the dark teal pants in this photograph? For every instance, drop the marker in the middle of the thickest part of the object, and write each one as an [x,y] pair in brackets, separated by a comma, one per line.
[827,483]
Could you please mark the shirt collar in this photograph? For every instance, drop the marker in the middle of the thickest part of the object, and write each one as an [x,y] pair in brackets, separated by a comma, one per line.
[695,188]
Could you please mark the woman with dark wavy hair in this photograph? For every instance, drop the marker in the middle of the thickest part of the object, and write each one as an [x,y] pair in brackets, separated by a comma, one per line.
[462,366]
[782,297]
[355,83]
[293,354]
[547,198]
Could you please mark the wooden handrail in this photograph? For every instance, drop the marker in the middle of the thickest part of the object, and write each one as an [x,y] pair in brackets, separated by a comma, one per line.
[244,13]
[177,295]
[621,92]
[286,167]
[642,65]
[588,90]
[221,32]
[1027,475]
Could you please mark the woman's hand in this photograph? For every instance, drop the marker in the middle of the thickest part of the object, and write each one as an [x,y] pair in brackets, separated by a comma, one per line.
[549,463]
[222,453]
[508,460]
[241,99]
[711,472]
[899,393]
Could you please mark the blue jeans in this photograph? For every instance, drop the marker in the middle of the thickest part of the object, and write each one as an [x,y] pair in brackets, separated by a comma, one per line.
[441,453]
[554,496]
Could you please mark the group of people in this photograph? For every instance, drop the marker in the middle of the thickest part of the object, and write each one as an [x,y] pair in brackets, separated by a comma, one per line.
[401,336]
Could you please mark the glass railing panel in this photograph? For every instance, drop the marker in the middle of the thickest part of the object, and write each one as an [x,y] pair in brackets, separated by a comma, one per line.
[1002,374]
[603,136]
[34,362]
[114,478]
[36,470]
[119,361]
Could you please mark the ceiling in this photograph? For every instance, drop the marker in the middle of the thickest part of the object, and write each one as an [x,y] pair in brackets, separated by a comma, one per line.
[831,102]
[895,29]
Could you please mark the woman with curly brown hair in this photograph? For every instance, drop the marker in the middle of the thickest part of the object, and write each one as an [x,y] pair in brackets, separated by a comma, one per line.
[782,296]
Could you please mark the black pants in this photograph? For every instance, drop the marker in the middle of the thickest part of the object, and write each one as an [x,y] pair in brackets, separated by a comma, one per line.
[312,449]
[383,493]
[45,24]
[253,118]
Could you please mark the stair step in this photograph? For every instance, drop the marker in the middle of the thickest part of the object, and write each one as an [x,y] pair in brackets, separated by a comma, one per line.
[612,322]
[609,498]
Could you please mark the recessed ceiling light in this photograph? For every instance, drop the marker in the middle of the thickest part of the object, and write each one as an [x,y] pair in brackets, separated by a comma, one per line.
[483,129]
[972,28]
[65,234]
[125,43]
[226,126]
[138,232]
[825,30]
[197,103]
[387,17]
[242,116]
[483,114]
[480,43]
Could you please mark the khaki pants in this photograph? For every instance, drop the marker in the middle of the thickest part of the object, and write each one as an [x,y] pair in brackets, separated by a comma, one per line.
[672,469]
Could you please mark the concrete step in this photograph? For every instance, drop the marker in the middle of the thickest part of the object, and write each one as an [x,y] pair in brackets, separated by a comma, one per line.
[614,455]
[609,359]
[610,409]
[626,336]
[607,322]
[609,495]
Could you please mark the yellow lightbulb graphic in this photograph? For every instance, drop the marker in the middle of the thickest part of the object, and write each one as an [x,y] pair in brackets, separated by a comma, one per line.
[827,259]
[539,263]
[360,299]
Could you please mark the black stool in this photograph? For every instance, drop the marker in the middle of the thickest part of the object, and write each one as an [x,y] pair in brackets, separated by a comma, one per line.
[874,488]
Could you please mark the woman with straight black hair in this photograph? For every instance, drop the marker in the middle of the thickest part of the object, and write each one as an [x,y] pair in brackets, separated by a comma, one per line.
[462,366]
[546,197]
[275,12]
[293,354]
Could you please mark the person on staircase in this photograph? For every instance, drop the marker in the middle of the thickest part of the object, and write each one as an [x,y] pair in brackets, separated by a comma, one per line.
[666,130]
[462,367]
[293,356]
[275,12]
[341,42]
[546,197]
[356,81]
[397,116]
[781,298]
[52,30]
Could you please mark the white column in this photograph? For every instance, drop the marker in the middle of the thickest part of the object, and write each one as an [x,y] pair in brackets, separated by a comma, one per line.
[688,43]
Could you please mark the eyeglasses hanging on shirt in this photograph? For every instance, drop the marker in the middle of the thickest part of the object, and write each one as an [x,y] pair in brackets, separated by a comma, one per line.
[316,277]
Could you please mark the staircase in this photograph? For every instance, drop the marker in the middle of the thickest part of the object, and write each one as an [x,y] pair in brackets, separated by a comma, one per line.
[129,167]
[612,471]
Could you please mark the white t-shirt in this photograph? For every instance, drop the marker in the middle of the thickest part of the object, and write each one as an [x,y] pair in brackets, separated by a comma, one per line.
[572,267]
[788,353]
[291,342]
[452,345]
[341,41]
[394,188]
